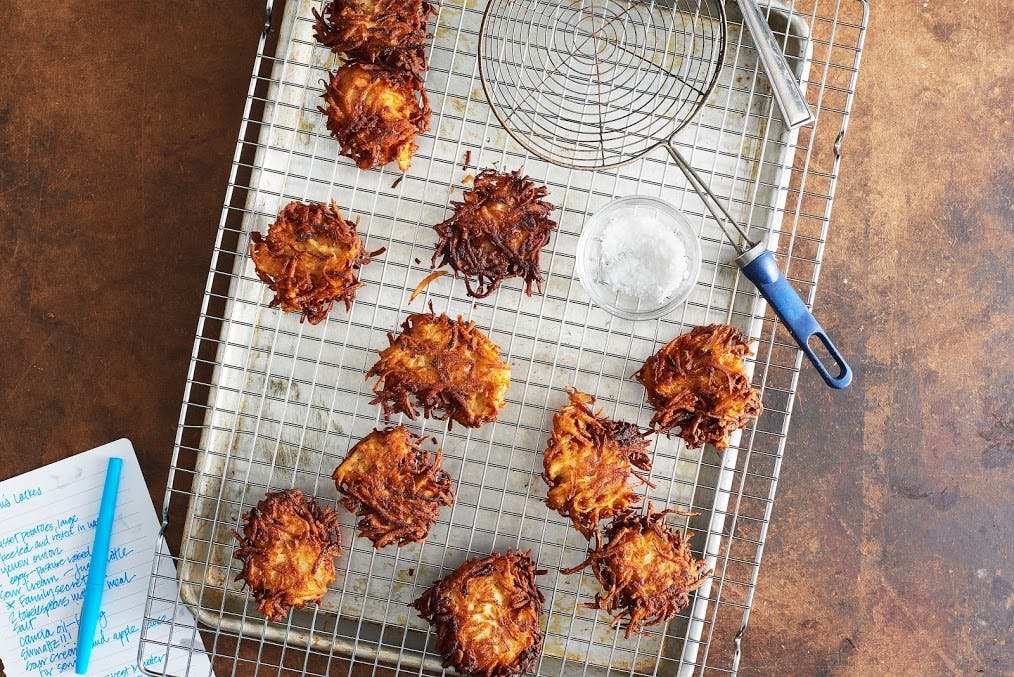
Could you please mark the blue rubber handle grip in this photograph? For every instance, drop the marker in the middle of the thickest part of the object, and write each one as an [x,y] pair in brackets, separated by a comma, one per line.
[763,271]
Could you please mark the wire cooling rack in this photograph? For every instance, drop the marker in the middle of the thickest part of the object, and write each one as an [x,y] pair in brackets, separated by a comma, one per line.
[271,403]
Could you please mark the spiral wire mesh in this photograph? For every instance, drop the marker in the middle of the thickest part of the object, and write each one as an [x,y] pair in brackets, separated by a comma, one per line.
[596,83]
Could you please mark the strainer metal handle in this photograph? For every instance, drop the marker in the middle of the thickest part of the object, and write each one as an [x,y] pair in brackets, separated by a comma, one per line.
[759,266]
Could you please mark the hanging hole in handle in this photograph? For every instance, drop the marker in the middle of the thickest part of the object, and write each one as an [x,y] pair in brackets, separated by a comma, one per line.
[827,354]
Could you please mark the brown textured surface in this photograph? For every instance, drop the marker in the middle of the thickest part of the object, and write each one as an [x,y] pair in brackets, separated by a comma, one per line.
[890,547]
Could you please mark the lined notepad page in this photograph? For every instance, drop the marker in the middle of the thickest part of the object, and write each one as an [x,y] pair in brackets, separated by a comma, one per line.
[47,524]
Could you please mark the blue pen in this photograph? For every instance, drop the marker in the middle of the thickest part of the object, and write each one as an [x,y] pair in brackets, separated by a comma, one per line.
[97,569]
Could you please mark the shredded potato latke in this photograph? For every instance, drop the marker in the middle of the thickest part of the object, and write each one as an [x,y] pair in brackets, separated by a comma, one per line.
[287,547]
[388,32]
[310,258]
[394,485]
[441,364]
[486,615]
[375,112]
[496,232]
[698,383]
[646,570]
[588,463]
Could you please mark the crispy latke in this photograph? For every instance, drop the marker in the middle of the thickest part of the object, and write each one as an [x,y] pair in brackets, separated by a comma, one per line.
[309,259]
[442,364]
[288,548]
[394,485]
[486,615]
[698,383]
[588,462]
[646,570]
[497,232]
[375,113]
[389,32]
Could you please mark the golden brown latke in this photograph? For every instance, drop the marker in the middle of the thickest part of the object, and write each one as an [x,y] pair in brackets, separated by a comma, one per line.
[392,483]
[486,615]
[309,259]
[698,383]
[588,462]
[496,232]
[443,364]
[646,570]
[288,548]
[389,32]
[375,113]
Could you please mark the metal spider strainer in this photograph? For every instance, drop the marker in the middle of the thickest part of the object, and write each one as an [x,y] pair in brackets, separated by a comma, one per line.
[593,84]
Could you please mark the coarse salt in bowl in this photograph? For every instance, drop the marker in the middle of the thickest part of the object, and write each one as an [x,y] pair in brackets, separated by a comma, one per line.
[638,258]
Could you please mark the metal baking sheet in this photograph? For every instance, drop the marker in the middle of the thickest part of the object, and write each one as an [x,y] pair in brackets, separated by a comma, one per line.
[287,400]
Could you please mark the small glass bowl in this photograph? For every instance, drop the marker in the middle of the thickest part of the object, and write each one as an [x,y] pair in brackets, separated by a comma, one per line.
[589,262]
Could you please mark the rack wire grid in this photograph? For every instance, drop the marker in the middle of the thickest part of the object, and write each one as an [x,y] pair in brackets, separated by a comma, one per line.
[271,403]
